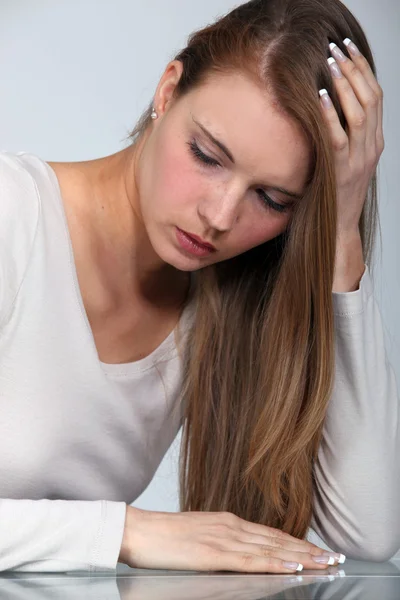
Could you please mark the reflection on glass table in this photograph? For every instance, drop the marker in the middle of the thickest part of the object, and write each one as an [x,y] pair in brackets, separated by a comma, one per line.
[355,580]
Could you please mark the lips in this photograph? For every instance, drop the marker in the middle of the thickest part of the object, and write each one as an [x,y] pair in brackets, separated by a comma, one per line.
[198,239]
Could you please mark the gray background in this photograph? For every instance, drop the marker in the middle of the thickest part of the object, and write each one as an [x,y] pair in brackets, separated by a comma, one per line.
[76,75]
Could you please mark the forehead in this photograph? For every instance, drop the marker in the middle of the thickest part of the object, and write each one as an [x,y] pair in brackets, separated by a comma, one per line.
[263,141]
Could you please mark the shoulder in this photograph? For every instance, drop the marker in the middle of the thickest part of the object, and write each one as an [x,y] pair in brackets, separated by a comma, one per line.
[19,216]
[18,190]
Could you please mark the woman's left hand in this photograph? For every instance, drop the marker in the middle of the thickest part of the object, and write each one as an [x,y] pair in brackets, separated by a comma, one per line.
[357,152]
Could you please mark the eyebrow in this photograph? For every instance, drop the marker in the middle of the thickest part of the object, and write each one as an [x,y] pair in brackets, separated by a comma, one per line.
[229,154]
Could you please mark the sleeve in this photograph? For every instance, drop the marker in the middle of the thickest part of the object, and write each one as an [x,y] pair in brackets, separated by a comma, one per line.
[357,474]
[60,535]
[19,217]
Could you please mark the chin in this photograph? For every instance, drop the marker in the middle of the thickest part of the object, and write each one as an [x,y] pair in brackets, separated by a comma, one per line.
[170,253]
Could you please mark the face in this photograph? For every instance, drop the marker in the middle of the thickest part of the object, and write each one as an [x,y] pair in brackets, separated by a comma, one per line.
[187,181]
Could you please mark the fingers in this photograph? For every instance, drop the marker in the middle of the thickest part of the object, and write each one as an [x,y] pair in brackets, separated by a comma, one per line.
[361,99]
[260,535]
[276,537]
[285,554]
[247,562]
[234,544]
[363,65]
[293,544]
[352,108]
[266,561]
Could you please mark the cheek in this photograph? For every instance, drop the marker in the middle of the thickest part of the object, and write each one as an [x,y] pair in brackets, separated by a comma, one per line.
[259,225]
[177,186]
[256,234]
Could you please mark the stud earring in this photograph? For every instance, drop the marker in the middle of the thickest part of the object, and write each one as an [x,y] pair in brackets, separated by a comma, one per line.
[154,114]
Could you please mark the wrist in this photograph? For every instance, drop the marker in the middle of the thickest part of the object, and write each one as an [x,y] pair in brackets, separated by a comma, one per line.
[126,544]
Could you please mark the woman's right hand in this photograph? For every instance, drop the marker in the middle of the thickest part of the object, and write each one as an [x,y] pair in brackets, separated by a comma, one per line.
[212,541]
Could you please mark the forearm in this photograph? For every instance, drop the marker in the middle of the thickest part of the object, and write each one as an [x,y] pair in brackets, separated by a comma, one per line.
[357,492]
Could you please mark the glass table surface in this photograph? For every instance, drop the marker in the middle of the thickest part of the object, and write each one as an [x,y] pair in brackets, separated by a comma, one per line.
[354,580]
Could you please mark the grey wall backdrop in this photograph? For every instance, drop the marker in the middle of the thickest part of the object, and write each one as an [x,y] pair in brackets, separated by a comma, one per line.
[76,75]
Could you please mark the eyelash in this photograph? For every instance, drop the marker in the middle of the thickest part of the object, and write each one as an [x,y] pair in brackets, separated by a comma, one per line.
[203,158]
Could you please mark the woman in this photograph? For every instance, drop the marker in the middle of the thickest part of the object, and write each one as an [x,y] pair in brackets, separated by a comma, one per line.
[279,377]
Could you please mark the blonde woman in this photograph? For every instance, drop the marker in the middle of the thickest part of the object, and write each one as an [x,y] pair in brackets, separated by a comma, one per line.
[213,274]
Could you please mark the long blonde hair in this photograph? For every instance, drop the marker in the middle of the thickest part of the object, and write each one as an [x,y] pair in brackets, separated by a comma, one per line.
[259,363]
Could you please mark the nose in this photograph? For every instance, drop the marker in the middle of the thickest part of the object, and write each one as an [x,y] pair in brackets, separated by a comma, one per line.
[222,212]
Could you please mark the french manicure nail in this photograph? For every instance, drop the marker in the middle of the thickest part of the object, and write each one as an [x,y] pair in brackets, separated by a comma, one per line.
[324,560]
[352,48]
[339,557]
[293,565]
[326,101]
[337,53]
[334,67]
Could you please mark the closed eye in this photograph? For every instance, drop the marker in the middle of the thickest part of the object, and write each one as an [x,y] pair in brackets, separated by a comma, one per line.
[211,162]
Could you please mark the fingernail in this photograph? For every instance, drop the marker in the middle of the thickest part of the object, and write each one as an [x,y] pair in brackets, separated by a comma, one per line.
[334,67]
[352,48]
[324,560]
[339,557]
[337,53]
[326,101]
[293,565]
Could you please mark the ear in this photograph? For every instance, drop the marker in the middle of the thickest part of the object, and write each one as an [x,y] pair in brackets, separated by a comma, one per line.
[163,97]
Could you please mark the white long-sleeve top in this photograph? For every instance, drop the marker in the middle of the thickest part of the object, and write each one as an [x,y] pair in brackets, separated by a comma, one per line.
[80,439]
